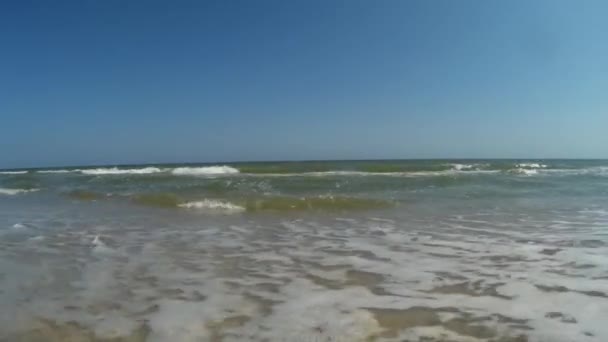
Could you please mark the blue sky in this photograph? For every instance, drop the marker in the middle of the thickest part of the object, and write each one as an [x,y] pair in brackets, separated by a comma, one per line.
[112,81]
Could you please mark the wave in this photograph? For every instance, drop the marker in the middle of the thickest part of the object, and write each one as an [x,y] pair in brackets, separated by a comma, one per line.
[212,205]
[315,168]
[388,174]
[55,171]
[364,169]
[463,167]
[344,169]
[264,203]
[117,171]
[542,169]
[204,170]
[530,166]
[13,172]
[592,171]
[5,191]
[523,171]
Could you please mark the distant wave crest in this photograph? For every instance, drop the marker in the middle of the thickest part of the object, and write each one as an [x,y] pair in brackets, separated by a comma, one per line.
[317,169]
[526,172]
[55,171]
[117,171]
[5,191]
[531,166]
[204,170]
[12,172]
[464,167]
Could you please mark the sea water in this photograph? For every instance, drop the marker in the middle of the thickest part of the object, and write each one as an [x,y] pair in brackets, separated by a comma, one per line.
[423,250]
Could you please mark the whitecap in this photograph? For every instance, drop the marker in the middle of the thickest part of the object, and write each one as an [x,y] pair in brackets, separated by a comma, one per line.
[463,167]
[213,205]
[117,171]
[12,172]
[56,171]
[527,172]
[204,170]
[6,191]
[531,166]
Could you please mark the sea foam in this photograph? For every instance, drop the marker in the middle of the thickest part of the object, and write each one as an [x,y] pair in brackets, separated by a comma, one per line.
[204,170]
[463,167]
[531,166]
[212,205]
[5,191]
[55,171]
[117,171]
[12,172]
[527,172]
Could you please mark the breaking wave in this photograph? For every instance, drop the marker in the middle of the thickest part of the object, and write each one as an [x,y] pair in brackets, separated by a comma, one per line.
[523,171]
[55,171]
[264,203]
[212,205]
[424,168]
[5,191]
[531,166]
[117,171]
[12,172]
[204,170]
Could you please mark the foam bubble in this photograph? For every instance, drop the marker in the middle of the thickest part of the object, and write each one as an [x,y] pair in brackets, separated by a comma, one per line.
[117,171]
[204,170]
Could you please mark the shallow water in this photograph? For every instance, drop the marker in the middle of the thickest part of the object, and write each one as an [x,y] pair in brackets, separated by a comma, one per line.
[429,253]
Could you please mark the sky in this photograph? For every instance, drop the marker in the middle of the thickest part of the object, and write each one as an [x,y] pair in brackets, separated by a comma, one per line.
[122,82]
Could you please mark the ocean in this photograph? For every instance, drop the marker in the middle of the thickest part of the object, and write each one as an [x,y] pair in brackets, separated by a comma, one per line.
[412,250]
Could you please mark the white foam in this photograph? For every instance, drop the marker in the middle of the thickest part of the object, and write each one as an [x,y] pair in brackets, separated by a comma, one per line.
[190,321]
[5,191]
[531,165]
[204,170]
[314,314]
[450,172]
[100,248]
[117,171]
[263,279]
[212,205]
[462,167]
[595,171]
[12,172]
[340,173]
[56,171]
[527,172]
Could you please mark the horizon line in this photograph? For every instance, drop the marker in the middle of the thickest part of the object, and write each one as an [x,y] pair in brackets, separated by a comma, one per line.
[118,165]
